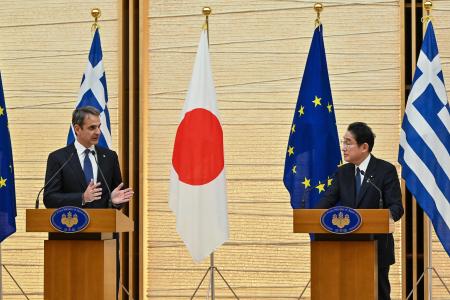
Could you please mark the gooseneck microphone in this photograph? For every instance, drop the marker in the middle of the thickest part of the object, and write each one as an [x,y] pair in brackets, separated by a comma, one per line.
[304,196]
[370,180]
[110,204]
[51,179]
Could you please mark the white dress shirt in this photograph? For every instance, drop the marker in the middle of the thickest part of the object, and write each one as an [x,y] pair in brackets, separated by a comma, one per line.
[363,167]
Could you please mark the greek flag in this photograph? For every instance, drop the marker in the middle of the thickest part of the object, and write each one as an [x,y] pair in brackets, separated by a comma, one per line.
[93,92]
[425,139]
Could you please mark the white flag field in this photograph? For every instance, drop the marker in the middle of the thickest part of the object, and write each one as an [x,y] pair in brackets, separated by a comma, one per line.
[197,177]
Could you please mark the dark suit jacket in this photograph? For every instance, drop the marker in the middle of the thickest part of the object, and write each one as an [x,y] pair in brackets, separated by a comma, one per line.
[69,185]
[384,175]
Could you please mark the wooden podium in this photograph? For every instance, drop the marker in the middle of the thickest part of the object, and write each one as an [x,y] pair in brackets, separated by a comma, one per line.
[80,266]
[344,266]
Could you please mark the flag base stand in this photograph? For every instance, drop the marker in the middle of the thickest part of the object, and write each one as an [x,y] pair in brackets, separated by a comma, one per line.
[10,275]
[304,290]
[211,270]
[429,268]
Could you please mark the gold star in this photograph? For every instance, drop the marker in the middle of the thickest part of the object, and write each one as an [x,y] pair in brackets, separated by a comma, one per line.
[329,181]
[301,111]
[293,128]
[290,150]
[316,101]
[306,182]
[2,181]
[1,111]
[329,106]
[294,170]
[321,187]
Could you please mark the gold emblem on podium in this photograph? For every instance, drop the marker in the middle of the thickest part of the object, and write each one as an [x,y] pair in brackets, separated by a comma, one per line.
[340,220]
[69,220]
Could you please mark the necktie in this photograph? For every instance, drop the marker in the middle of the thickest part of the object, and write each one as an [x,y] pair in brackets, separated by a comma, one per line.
[88,173]
[357,181]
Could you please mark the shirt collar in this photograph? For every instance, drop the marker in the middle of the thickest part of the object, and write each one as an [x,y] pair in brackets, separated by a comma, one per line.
[80,148]
[364,164]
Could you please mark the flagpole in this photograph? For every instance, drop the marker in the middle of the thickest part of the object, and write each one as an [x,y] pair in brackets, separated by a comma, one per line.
[427,5]
[212,268]
[318,7]
[95,13]
[206,12]
[427,273]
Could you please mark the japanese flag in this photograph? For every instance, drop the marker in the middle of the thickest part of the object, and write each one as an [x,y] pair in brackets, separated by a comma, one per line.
[197,178]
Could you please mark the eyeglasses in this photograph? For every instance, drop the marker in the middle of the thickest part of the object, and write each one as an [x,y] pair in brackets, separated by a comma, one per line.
[347,145]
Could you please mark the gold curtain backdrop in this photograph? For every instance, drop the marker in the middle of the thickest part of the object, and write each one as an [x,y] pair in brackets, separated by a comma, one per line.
[43,54]
[258,53]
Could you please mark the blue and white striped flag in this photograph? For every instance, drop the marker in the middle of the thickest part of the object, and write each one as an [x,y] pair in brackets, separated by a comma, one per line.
[93,92]
[425,139]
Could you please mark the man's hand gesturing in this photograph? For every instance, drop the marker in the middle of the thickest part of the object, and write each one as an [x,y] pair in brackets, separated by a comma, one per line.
[93,192]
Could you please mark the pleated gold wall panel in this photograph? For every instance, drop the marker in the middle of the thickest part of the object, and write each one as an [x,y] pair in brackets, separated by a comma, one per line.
[43,54]
[441,23]
[258,52]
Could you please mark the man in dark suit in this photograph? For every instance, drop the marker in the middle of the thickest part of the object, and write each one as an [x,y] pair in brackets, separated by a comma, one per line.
[350,187]
[80,183]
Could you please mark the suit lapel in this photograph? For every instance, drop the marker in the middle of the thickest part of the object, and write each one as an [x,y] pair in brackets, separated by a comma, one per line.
[370,170]
[76,166]
[351,185]
[101,157]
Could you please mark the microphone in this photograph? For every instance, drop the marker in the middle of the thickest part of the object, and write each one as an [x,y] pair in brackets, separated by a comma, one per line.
[51,178]
[103,177]
[370,180]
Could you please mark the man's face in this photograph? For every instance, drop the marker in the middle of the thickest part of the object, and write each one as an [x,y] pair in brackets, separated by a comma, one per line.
[89,133]
[353,153]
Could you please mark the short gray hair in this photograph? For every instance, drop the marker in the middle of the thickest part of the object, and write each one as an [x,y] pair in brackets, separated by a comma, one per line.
[79,114]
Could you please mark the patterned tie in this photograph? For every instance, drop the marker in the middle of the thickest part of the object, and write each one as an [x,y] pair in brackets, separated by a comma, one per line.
[88,172]
[357,181]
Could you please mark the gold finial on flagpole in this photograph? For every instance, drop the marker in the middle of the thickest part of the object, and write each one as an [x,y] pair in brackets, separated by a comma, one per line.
[96,13]
[318,7]
[427,5]
[206,12]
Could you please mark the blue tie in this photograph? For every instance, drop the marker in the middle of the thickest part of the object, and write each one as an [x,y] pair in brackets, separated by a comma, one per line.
[88,173]
[357,181]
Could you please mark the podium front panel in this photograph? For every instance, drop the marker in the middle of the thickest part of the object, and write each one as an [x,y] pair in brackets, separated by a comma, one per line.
[344,270]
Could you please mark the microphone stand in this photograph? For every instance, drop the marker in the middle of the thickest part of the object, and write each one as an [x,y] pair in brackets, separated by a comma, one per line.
[380,203]
[303,202]
[51,179]
[110,204]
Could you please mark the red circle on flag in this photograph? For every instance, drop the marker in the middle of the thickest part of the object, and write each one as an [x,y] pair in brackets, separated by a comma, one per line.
[198,151]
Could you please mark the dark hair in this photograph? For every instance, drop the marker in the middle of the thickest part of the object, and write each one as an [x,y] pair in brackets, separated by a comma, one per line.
[362,134]
[79,114]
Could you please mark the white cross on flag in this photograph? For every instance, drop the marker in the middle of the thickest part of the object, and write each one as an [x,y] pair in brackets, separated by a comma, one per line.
[197,177]
[94,92]
[424,151]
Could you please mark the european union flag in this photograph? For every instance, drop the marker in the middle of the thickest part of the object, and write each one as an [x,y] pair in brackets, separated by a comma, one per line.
[94,92]
[7,188]
[313,152]
[425,139]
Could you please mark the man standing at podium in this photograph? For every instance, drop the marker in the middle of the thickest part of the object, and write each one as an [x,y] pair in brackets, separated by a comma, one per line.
[367,182]
[84,174]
